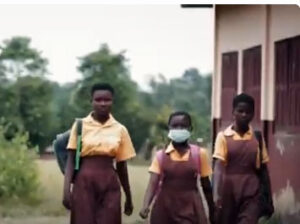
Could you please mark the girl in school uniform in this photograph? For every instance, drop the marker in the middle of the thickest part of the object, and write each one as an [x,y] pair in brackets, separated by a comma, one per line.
[178,200]
[237,158]
[95,195]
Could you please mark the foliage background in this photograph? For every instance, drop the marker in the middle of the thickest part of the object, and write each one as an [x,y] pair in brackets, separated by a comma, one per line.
[33,104]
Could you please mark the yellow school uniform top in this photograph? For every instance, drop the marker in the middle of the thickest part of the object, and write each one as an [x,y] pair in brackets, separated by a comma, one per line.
[221,145]
[110,139]
[205,168]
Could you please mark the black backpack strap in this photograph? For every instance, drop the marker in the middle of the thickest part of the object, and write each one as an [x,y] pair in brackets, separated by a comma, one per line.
[79,142]
[259,139]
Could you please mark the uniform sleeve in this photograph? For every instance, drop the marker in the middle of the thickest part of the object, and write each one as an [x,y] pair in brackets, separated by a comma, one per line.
[205,168]
[126,150]
[154,167]
[220,151]
[72,144]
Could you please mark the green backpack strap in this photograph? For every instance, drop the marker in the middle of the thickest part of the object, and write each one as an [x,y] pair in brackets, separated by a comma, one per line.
[79,143]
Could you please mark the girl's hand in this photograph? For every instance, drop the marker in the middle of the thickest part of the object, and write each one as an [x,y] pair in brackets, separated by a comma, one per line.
[128,207]
[218,203]
[67,200]
[217,209]
[144,213]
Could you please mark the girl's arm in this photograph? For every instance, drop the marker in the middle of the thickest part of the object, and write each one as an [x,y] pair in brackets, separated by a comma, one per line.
[150,193]
[219,169]
[123,177]
[207,189]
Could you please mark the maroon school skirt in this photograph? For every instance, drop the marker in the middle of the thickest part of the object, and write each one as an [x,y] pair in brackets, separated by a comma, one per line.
[96,192]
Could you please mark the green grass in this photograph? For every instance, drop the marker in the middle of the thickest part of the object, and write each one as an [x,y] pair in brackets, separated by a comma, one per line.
[49,210]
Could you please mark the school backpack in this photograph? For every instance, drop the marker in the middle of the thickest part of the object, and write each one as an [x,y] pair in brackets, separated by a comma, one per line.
[60,147]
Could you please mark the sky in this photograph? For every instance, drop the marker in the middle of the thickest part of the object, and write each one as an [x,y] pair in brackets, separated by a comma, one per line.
[158,39]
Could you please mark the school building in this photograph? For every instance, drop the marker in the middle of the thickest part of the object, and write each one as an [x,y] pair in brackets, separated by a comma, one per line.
[257,51]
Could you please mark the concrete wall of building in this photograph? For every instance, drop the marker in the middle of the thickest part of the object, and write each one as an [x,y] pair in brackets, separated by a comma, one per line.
[236,29]
[284,22]
[240,27]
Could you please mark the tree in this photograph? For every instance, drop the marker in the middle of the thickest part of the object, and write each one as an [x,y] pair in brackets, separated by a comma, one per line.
[34,107]
[26,91]
[17,59]
[64,111]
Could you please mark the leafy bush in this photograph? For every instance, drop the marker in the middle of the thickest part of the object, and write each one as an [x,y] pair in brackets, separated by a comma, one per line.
[18,171]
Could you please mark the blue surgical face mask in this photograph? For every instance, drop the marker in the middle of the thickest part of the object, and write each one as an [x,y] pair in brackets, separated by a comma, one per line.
[179,135]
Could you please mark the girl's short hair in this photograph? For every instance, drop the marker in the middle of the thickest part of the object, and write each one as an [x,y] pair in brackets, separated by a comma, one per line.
[243,98]
[180,113]
[102,86]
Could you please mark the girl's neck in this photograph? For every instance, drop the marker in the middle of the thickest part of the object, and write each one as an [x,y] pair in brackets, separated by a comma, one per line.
[101,118]
[240,129]
[181,147]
